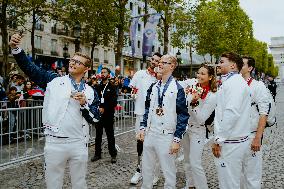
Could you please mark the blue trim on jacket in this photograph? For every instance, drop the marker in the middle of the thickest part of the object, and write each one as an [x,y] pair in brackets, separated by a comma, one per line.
[182,112]
[143,124]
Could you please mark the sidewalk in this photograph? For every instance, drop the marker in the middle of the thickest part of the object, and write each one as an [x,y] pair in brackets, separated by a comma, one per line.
[104,175]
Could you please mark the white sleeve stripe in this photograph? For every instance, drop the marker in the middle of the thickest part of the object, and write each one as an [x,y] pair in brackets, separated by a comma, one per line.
[16,51]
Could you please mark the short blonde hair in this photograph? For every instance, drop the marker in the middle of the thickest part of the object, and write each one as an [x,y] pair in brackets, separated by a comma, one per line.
[172,59]
[89,61]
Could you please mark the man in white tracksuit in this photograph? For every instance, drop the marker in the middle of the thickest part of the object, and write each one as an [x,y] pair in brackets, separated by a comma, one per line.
[140,83]
[232,122]
[70,105]
[164,124]
[252,169]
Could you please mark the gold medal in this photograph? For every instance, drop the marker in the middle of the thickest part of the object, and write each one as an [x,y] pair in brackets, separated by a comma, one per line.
[159,111]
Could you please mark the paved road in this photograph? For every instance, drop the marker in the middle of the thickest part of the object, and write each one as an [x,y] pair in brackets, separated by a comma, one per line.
[104,175]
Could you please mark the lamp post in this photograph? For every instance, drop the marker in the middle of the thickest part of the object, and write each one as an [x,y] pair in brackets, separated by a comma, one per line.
[178,56]
[77,34]
[65,55]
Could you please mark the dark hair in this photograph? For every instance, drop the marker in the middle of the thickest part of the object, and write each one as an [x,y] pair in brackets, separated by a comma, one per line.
[107,69]
[211,73]
[157,54]
[234,57]
[13,88]
[25,86]
[251,61]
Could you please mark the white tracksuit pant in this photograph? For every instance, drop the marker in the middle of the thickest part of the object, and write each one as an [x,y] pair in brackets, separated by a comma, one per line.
[158,145]
[139,118]
[193,144]
[252,169]
[57,152]
[229,164]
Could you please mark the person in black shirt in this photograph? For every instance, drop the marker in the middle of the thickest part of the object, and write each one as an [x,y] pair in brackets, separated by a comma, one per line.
[272,86]
[108,95]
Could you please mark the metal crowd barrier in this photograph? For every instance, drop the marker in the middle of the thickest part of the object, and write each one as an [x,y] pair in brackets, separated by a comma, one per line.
[21,130]
[20,103]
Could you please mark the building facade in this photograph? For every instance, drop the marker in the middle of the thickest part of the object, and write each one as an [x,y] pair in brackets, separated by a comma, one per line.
[51,38]
[277,51]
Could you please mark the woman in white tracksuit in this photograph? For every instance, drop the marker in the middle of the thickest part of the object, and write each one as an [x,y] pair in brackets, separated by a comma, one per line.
[200,107]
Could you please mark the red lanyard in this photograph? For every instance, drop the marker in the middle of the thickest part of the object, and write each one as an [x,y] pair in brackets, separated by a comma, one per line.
[249,80]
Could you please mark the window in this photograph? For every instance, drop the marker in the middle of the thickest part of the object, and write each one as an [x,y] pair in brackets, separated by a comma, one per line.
[159,49]
[38,40]
[131,6]
[139,27]
[139,10]
[138,44]
[53,45]
[153,48]
[105,56]
[129,42]
[96,53]
[87,49]
[53,27]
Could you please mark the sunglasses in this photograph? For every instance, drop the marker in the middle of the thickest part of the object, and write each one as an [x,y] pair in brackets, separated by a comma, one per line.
[166,63]
[78,62]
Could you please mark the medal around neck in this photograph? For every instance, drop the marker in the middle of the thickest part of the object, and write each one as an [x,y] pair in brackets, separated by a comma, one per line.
[160,111]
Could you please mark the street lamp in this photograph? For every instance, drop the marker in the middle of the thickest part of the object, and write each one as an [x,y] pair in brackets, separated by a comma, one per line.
[65,55]
[77,34]
[178,56]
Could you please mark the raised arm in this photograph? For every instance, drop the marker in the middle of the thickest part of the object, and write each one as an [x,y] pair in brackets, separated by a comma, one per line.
[39,76]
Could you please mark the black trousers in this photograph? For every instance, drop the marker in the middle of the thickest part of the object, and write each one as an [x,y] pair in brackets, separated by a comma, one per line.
[107,124]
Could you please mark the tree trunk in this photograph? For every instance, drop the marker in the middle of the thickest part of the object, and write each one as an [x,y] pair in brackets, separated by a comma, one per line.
[92,54]
[119,46]
[166,37]
[145,21]
[191,63]
[33,34]
[4,34]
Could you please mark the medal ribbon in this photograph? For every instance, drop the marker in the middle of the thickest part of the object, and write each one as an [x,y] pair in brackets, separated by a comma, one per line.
[81,85]
[227,76]
[161,98]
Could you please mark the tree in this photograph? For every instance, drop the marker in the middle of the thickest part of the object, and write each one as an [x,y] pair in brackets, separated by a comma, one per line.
[170,10]
[222,25]
[12,13]
[97,18]
[184,35]
[121,26]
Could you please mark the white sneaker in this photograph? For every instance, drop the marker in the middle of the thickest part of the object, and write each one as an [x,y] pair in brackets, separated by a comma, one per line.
[136,178]
[155,180]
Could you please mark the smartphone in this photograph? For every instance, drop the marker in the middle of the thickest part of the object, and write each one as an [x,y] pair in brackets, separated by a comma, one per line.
[21,32]
[73,93]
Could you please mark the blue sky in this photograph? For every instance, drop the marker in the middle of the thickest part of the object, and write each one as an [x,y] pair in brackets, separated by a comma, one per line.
[268,17]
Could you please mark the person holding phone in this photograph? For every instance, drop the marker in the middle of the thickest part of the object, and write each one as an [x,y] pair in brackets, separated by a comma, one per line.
[66,116]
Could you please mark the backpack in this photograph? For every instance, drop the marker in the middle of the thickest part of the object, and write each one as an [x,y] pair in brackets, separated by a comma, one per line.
[271,117]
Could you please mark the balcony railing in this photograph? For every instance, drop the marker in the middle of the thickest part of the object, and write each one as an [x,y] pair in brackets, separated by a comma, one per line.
[63,32]
[96,60]
[38,51]
[54,53]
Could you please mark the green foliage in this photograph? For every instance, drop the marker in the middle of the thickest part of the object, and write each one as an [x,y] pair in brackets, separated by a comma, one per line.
[222,25]
[171,10]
